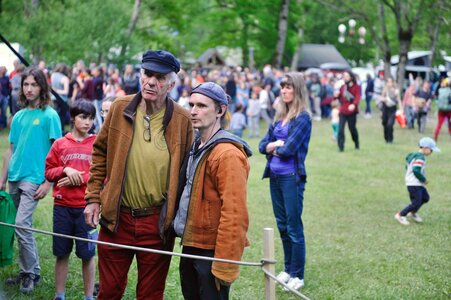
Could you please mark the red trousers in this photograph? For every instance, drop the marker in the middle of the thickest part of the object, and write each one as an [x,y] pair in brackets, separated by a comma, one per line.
[114,262]
[442,115]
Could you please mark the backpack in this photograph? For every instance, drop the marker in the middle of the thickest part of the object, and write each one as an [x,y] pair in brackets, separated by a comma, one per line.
[7,215]
[444,99]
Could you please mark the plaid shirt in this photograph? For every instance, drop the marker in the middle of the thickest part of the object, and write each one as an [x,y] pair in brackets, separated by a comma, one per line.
[299,131]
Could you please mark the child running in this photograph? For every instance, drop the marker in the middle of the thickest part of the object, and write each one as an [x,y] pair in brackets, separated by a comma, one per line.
[67,166]
[416,180]
[335,119]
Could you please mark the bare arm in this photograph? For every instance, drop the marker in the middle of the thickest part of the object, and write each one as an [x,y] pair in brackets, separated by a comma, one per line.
[273,145]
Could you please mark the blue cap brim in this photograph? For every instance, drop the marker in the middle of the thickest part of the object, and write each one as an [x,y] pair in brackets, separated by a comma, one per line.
[157,68]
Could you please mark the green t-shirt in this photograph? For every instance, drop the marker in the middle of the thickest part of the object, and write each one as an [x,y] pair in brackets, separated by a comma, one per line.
[147,165]
[32,133]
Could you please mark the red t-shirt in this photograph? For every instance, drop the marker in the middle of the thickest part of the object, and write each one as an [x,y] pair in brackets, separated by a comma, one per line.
[68,152]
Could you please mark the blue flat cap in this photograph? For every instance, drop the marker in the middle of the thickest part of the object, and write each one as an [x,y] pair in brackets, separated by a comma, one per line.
[212,91]
[160,61]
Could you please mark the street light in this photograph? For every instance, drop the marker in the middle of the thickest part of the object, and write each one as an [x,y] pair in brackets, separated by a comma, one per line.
[352,24]
[342,31]
[362,32]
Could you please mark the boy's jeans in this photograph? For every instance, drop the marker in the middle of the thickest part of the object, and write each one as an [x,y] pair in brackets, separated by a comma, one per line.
[418,196]
[22,193]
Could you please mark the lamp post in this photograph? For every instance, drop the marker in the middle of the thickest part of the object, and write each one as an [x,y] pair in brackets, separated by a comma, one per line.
[362,32]
[352,24]
[342,31]
[356,39]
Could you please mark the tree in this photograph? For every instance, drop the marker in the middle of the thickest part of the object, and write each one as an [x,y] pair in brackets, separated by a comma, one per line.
[282,32]
[131,27]
[300,36]
[112,31]
[407,16]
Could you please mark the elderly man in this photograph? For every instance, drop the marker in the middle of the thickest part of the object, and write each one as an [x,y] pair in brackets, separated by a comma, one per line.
[135,169]
[212,217]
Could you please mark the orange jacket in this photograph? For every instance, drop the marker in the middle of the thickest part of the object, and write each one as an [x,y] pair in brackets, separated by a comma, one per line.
[217,215]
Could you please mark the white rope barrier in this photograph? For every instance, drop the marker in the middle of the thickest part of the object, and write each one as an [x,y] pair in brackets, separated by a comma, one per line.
[237,262]
[264,262]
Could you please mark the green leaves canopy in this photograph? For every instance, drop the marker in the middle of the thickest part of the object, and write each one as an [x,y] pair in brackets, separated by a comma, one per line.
[95,30]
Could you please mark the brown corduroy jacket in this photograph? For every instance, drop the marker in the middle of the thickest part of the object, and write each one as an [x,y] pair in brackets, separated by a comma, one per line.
[110,154]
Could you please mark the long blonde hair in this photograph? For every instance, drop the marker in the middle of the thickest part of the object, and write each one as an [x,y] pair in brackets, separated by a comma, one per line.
[299,104]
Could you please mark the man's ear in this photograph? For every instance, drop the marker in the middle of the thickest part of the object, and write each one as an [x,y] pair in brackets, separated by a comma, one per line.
[171,86]
[222,109]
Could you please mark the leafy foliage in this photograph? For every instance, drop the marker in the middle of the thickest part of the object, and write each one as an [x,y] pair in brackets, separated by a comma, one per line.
[95,30]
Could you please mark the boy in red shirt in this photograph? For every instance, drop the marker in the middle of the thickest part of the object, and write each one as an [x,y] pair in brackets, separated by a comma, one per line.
[67,166]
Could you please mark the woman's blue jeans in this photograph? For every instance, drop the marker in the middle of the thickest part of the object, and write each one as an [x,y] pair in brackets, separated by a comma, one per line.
[287,202]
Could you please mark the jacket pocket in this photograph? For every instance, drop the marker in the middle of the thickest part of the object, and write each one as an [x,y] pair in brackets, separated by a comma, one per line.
[212,214]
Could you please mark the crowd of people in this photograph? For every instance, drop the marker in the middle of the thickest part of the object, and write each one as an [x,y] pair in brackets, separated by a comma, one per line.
[148,170]
[254,92]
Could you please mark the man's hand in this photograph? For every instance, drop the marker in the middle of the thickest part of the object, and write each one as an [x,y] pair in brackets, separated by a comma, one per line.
[220,282]
[42,190]
[351,107]
[92,211]
[2,186]
[74,176]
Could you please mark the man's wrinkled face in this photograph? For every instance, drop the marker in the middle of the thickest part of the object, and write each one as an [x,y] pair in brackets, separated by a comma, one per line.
[154,86]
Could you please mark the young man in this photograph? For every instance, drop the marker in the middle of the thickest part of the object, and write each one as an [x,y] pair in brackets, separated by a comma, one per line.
[135,169]
[33,130]
[67,166]
[212,217]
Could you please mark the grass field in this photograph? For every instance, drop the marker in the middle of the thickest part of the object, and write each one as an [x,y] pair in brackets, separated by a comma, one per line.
[355,248]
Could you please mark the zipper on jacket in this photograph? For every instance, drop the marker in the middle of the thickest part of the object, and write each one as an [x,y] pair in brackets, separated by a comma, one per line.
[119,202]
[162,232]
[201,160]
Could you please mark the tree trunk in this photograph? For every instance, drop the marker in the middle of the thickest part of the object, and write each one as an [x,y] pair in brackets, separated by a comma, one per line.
[404,45]
[131,27]
[385,45]
[30,8]
[434,32]
[282,32]
[401,10]
[297,53]
[244,42]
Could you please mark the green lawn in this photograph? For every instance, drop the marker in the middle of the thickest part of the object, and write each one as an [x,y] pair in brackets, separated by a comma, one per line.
[355,248]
